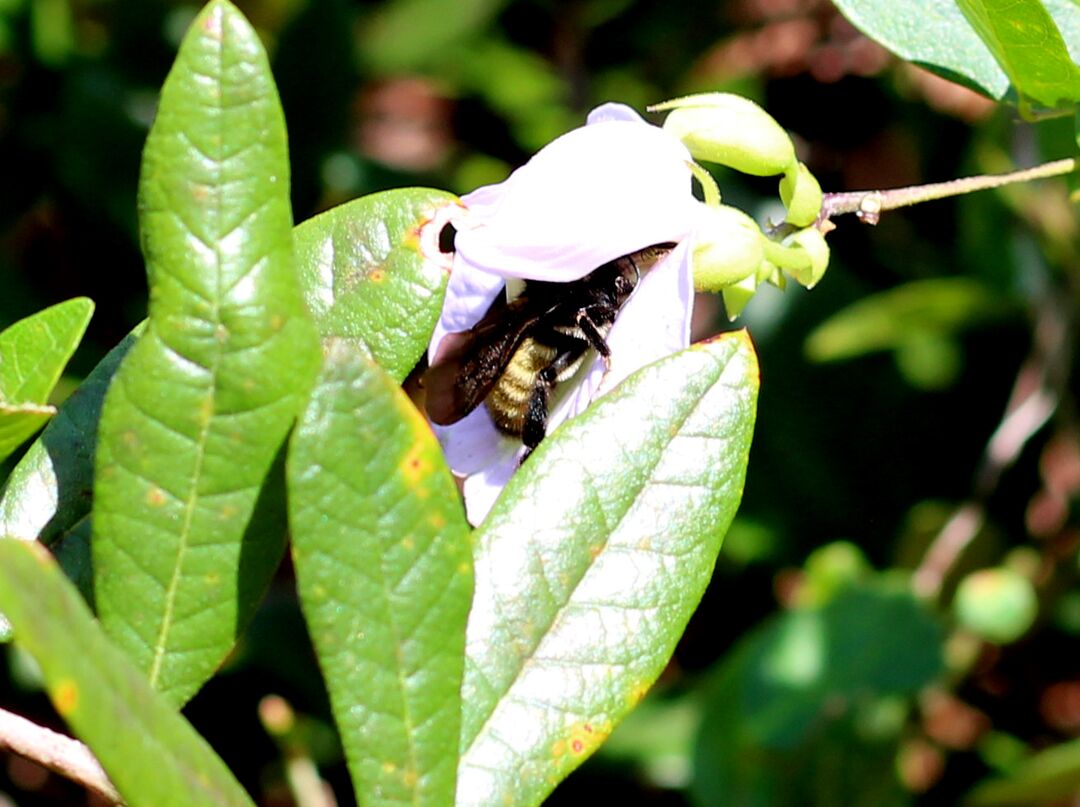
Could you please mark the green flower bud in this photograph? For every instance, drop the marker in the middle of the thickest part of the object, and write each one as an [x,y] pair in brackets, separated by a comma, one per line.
[728,248]
[801,195]
[997,604]
[730,130]
[738,295]
[813,241]
[804,255]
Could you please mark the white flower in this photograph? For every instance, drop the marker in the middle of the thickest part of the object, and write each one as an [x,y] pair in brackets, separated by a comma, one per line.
[608,189]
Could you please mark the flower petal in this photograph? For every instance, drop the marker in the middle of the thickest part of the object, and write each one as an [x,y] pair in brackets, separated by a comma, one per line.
[473,443]
[483,488]
[469,294]
[596,193]
[613,111]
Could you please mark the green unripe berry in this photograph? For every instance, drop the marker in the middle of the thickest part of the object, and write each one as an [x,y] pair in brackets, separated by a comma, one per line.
[997,604]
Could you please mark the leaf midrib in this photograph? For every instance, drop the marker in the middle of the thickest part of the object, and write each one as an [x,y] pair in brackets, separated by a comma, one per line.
[191,501]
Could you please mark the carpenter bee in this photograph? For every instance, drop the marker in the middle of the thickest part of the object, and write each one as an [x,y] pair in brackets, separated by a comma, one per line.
[514,357]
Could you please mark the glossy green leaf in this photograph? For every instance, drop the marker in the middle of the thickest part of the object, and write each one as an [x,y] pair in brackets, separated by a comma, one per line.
[33,354]
[383,566]
[937,35]
[808,709]
[18,422]
[1048,777]
[372,273]
[150,752]
[49,492]
[591,563]
[201,405]
[1029,48]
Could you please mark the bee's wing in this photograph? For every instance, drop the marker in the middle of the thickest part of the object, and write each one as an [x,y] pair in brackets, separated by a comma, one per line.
[469,363]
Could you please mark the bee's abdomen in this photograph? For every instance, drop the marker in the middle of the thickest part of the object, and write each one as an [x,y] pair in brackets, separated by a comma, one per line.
[508,400]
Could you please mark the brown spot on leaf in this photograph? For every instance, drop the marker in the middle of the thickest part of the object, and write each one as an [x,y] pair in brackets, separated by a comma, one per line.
[415,466]
[155,496]
[584,738]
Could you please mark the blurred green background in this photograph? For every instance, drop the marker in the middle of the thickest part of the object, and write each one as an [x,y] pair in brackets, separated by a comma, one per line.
[918,416]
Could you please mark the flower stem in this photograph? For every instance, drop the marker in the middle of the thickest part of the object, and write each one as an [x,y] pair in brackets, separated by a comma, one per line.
[869,205]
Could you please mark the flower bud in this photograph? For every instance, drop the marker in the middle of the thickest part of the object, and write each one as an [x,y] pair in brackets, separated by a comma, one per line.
[728,247]
[801,195]
[813,244]
[730,130]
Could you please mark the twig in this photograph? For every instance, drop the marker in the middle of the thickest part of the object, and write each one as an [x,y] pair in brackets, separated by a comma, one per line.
[58,753]
[869,205]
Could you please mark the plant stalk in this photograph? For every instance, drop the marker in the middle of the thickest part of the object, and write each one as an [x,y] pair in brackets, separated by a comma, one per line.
[869,205]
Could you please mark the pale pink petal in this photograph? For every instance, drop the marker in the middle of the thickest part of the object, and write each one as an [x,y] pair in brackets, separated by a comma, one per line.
[473,442]
[483,488]
[613,111]
[469,294]
[592,195]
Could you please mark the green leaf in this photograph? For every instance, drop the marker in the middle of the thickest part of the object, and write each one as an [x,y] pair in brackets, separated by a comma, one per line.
[591,563]
[1029,48]
[202,403]
[49,492]
[944,41]
[808,709]
[372,273]
[150,752]
[1052,775]
[382,557]
[33,354]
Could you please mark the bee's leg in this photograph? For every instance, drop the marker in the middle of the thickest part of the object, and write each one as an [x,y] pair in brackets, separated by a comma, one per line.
[536,413]
[593,336]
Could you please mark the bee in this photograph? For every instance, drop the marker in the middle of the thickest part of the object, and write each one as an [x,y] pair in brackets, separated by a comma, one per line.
[514,357]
